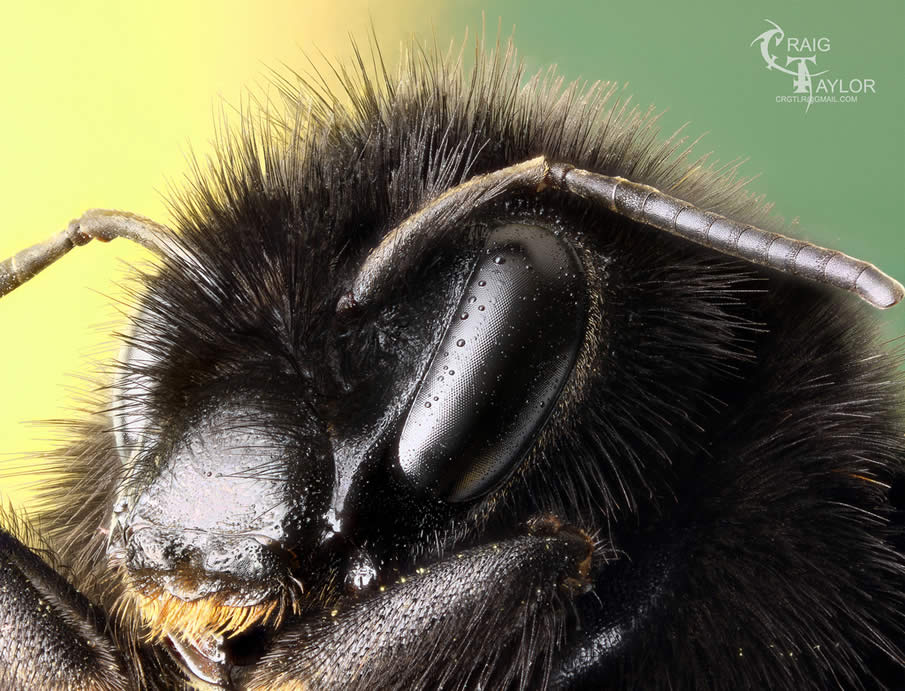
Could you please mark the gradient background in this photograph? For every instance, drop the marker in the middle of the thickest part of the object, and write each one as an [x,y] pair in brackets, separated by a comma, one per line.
[102,101]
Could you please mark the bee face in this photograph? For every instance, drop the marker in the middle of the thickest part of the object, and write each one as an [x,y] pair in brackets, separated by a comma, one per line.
[454,388]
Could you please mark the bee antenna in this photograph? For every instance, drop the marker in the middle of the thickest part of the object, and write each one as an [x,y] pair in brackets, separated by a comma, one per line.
[101,224]
[447,214]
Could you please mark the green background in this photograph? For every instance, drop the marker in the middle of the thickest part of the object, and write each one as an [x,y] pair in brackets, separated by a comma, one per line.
[102,100]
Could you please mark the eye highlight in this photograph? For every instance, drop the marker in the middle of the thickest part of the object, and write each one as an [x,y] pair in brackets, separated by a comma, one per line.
[499,368]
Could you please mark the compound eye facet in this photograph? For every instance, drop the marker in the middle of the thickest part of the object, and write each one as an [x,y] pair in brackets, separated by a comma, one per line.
[500,367]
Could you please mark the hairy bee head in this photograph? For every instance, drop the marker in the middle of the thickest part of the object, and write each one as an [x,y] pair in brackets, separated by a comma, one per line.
[386,341]
[240,472]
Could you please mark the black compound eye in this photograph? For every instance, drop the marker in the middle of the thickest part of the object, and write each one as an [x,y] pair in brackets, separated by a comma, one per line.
[500,366]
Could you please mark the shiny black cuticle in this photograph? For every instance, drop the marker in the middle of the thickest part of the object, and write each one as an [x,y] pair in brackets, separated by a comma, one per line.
[500,367]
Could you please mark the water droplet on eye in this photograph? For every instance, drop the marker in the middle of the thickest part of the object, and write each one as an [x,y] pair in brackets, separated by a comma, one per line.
[464,315]
[436,398]
[427,405]
[208,473]
[472,300]
[452,372]
[460,343]
[446,366]
[440,378]
[499,260]
[482,283]
[480,308]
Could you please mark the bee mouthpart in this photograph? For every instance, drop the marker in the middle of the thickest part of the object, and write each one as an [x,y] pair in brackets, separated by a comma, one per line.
[203,658]
[215,615]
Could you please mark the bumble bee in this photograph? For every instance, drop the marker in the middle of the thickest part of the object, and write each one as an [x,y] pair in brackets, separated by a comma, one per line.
[463,383]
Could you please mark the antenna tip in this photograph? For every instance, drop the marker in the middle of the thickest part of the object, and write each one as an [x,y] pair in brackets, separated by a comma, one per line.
[879,289]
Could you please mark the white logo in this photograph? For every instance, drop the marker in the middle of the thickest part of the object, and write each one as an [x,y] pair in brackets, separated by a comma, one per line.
[801,64]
